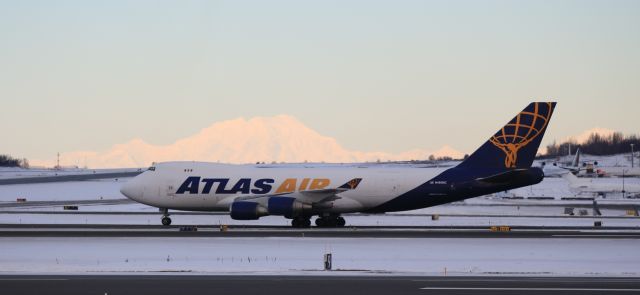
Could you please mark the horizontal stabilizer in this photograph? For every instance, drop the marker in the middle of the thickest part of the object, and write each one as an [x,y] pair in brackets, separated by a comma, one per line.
[512,176]
[571,178]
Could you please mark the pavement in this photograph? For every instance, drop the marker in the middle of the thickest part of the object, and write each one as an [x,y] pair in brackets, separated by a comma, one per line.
[19,208]
[311,285]
[481,232]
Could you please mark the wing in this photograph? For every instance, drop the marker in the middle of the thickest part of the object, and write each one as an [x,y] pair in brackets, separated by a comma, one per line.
[308,196]
[324,195]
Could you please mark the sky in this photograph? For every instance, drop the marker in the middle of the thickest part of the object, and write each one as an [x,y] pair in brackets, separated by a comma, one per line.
[387,76]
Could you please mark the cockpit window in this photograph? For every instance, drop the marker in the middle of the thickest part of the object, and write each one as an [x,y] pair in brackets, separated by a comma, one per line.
[152,168]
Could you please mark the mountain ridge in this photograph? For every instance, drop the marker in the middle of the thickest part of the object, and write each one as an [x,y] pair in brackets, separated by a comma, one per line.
[281,138]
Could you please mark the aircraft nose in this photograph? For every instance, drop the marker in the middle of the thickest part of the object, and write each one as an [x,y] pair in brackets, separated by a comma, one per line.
[132,189]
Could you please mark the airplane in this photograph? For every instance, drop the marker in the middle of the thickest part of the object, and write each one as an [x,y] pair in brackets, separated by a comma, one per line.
[559,169]
[600,186]
[589,168]
[249,192]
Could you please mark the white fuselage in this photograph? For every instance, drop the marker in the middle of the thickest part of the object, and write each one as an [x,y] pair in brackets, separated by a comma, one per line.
[219,185]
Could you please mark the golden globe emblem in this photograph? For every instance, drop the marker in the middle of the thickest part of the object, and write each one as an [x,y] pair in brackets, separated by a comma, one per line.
[520,131]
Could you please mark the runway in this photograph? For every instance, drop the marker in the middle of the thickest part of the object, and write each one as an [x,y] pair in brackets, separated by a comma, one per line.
[586,203]
[478,232]
[48,204]
[313,285]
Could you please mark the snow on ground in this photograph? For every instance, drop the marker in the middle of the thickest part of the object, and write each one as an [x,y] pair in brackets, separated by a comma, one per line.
[620,160]
[62,191]
[559,188]
[567,257]
[549,187]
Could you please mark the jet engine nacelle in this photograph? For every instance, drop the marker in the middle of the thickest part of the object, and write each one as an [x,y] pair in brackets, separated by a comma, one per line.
[243,210]
[287,207]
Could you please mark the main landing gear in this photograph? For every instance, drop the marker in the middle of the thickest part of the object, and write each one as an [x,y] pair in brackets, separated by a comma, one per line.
[166,221]
[330,221]
[322,221]
[301,221]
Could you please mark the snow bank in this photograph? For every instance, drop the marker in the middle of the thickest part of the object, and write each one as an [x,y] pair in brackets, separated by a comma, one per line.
[567,257]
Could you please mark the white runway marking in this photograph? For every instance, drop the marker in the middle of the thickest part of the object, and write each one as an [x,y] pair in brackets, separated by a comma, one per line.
[598,236]
[533,289]
[20,279]
[533,279]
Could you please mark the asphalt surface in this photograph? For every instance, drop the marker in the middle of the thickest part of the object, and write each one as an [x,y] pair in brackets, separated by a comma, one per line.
[312,285]
[73,230]
[289,228]
[33,204]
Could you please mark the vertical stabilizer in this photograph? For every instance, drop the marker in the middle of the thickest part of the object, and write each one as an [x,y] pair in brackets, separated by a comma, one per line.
[515,145]
[576,160]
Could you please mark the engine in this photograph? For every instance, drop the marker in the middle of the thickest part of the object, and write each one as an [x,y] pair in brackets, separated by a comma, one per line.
[287,207]
[283,206]
[247,210]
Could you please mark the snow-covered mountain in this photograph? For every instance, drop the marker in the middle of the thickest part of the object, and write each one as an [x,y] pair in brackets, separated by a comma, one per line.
[266,139]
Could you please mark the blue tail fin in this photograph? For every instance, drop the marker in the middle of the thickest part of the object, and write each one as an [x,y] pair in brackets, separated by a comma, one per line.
[515,145]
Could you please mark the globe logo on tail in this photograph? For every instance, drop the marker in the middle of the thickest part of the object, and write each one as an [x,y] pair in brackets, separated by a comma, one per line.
[520,131]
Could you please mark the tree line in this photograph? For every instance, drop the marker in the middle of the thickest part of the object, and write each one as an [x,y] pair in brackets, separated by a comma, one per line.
[9,161]
[596,144]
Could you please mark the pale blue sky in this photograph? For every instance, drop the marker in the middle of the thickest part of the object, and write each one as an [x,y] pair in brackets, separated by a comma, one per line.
[376,75]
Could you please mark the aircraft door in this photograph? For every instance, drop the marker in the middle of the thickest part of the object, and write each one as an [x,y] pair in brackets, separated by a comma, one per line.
[170,190]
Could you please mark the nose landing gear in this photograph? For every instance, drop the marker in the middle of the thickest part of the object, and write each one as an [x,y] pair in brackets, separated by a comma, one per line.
[166,221]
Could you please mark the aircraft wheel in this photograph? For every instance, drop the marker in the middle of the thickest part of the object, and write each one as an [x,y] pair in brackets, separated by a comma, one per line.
[166,221]
[340,222]
[301,222]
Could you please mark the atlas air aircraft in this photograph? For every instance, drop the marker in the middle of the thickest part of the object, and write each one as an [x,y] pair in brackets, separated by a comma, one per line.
[249,192]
